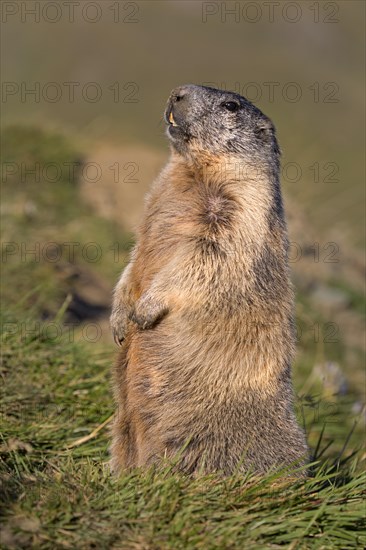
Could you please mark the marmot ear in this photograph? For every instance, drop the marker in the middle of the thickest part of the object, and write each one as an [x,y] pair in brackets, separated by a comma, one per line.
[264,130]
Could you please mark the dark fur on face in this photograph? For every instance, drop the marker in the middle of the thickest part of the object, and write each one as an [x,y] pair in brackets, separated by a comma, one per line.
[221,122]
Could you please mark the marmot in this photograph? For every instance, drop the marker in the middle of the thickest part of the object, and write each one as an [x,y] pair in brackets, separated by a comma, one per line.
[204,310]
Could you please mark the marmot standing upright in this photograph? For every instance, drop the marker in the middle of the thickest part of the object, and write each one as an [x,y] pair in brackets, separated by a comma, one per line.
[204,310]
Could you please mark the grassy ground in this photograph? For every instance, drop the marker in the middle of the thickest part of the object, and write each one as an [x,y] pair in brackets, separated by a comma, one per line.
[58,493]
[56,403]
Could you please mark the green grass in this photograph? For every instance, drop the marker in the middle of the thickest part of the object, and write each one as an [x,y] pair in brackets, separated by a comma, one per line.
[56,489]
[60,497]
[42,219]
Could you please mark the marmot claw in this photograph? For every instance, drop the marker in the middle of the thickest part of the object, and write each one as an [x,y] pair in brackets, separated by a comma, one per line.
[118,324]
[147,312]
[118,339]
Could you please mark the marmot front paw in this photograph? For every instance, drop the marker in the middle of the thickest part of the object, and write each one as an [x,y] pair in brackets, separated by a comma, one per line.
[119,322]
[147,312]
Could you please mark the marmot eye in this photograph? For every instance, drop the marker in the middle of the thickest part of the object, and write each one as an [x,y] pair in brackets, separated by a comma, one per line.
[231,106]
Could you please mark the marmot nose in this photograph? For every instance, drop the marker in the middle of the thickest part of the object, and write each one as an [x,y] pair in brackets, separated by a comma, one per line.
[179,93]
[179,104]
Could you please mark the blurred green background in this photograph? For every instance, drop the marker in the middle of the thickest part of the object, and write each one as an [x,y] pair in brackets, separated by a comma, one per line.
[150,47]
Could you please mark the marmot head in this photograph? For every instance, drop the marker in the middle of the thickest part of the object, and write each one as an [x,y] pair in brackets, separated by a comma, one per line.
[205,121]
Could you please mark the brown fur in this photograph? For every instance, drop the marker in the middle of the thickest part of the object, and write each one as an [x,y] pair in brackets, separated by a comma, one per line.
[204,312]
